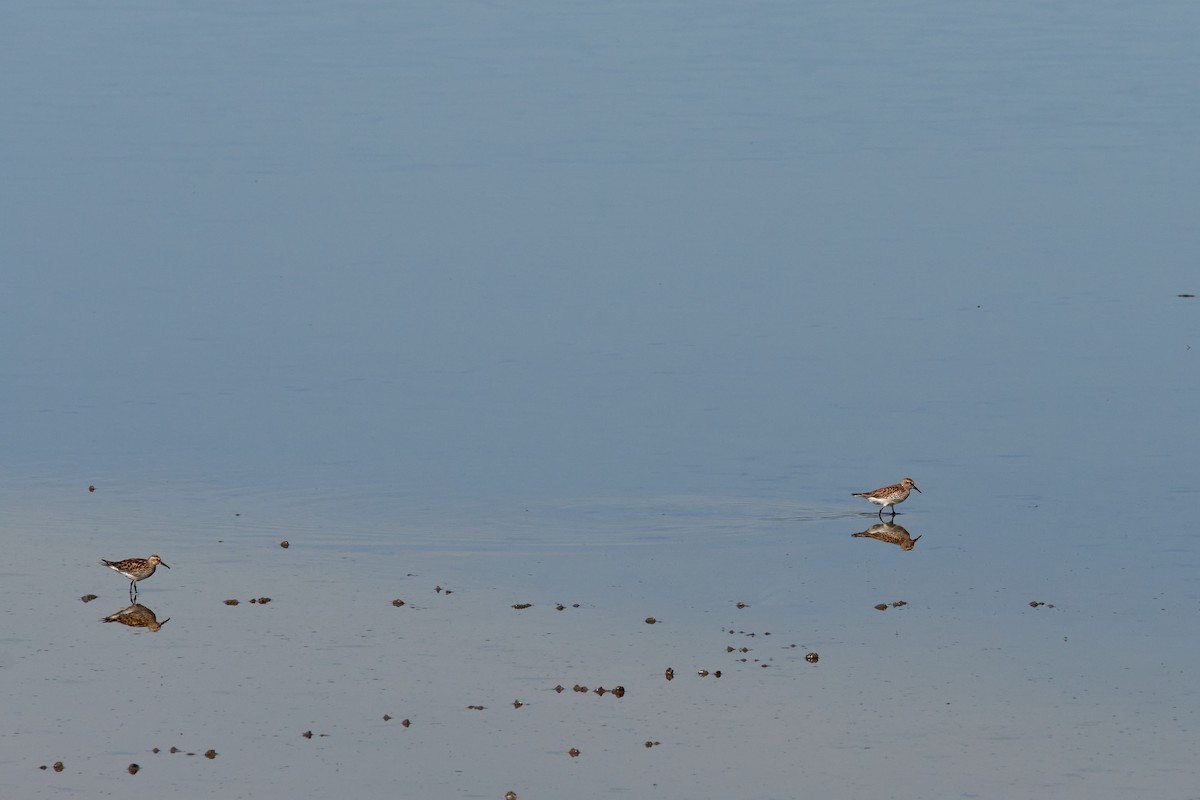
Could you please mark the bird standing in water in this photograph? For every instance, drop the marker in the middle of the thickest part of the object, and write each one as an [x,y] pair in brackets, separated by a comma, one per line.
[889,496]
[136,569]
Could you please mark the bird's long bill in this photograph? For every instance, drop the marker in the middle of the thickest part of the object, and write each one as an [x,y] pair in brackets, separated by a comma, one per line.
[914,486]
[163,563]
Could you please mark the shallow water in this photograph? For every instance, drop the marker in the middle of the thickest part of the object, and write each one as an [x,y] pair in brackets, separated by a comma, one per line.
[611,306]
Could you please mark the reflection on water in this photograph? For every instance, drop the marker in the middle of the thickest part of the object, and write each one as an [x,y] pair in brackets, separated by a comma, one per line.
[891,533]
[137,616]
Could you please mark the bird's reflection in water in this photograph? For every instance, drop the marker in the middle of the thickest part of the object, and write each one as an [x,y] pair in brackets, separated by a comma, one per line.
[137,616]
[891,533]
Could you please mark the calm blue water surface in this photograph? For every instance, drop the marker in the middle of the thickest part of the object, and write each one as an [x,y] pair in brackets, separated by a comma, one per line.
[612,304]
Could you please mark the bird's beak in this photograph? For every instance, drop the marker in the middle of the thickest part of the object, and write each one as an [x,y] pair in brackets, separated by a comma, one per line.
[918,490]
[163,563]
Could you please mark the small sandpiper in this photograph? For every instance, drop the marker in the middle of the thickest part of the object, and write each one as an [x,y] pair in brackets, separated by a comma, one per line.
[889,495]
[136,569]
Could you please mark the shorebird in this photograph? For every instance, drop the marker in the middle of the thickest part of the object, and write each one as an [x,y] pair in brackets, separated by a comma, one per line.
[136,569]
[889,495]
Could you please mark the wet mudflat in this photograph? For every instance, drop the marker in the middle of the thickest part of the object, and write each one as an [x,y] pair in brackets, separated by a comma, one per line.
[949,688]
